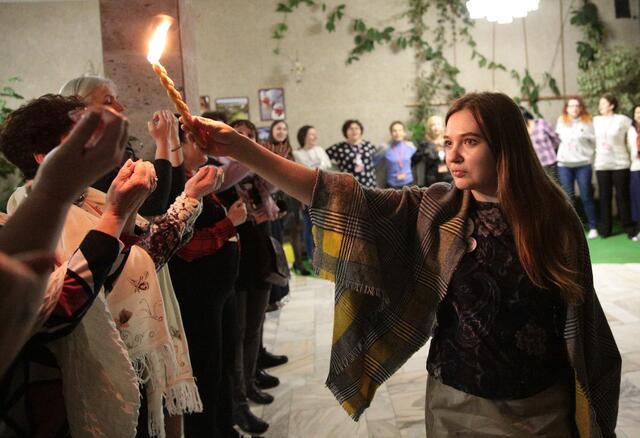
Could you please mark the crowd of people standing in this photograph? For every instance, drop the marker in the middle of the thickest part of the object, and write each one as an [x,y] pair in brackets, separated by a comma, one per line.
[152,322]
[607,145]
[580,150]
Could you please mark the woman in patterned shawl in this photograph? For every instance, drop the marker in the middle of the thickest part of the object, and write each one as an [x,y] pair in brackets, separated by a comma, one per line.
[494,267]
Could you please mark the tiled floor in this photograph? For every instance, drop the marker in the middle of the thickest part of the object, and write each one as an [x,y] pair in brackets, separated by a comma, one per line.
[304,407]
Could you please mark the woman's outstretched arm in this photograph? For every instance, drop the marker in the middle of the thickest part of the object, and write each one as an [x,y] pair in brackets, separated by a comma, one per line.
[221,140]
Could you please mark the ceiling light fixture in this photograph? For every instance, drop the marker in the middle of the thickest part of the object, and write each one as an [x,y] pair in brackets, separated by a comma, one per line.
[501,11]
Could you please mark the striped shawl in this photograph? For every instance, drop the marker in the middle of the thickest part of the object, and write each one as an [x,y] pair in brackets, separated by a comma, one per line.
[391,254]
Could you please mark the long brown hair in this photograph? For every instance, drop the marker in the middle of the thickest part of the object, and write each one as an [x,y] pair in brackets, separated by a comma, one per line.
[542,220]
[281,148]
[272,139]
[584,116]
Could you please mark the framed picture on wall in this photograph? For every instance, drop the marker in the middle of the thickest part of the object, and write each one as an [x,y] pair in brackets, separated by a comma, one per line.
[233,107]
[263,134]
[271,104]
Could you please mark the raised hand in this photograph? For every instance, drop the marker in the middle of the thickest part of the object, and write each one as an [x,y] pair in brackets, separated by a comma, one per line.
[237,213]
[162,126]
[68,169]
[208,179]
[134,182]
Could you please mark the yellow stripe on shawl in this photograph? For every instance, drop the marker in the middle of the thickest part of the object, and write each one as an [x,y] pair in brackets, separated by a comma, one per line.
[582,411]
[331,244]
[345,312]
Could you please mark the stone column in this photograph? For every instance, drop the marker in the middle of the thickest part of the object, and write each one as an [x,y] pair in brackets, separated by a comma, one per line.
[126,28]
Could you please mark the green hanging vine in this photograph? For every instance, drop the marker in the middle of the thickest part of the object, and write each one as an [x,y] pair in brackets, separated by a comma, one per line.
[441,81]
[7,91]
[587,19]
[615,70]
[531,89]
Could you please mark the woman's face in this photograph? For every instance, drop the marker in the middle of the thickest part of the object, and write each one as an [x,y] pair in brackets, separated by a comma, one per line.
[397,132]
[246,131]
[106,95]
[605,107]
[636,115]
[435,128]
[311,139]
[469,157]
[354,133]
[194,158]
[280,132]
[574,108]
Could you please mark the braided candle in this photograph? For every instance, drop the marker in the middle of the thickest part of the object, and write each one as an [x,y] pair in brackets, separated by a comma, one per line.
[176,98]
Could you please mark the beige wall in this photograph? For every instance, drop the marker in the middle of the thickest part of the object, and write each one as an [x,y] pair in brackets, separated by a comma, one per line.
[48,43]
[236,59]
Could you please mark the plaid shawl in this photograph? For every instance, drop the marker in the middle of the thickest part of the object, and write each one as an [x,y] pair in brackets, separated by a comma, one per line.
[391,254]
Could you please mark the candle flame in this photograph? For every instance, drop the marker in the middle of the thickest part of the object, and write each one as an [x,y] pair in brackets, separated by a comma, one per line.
[158,42]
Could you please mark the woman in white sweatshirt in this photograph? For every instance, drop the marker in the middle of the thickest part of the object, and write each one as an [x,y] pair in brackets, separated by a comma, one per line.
[612,164]
[575,156]
[314,156]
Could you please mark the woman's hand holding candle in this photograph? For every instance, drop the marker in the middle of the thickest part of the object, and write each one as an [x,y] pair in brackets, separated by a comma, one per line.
[219,139]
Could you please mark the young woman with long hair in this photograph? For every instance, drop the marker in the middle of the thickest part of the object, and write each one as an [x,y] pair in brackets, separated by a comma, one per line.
[291,224]
[278,140]
[575,156]
[495,267]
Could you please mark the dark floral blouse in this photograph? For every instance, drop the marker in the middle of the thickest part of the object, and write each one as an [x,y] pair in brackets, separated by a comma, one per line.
[497,335]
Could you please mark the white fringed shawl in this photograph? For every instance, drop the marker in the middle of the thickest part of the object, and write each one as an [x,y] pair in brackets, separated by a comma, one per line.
[134,336]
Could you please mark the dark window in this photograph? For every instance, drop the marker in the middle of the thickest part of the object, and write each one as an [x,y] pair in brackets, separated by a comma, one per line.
[623,8]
